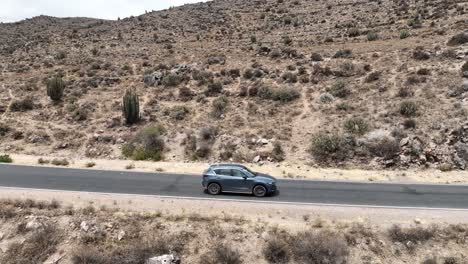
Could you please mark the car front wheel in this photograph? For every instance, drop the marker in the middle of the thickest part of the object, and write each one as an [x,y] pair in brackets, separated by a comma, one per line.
[259,191]
[214,189]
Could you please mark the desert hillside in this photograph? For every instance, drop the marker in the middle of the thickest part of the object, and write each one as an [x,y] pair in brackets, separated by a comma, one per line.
[369,84]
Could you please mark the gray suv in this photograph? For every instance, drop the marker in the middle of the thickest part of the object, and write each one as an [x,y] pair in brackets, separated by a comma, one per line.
[235,178]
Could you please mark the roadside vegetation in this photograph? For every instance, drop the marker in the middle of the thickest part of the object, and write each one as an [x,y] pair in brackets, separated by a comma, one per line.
[45,227]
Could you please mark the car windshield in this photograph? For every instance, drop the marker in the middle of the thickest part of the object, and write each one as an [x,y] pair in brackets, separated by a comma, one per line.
[251,173]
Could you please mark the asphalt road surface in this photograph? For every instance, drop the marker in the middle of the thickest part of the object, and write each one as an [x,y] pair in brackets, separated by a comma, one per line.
[294,191]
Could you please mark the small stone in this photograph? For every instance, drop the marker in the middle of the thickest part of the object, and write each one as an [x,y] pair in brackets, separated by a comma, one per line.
[121,235]
[404,141]
[256,159]
[84,226]
[417,221]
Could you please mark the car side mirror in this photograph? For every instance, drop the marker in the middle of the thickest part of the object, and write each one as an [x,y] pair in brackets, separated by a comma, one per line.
[245,177]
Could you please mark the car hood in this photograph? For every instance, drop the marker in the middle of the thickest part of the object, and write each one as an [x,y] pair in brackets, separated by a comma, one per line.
[265,177]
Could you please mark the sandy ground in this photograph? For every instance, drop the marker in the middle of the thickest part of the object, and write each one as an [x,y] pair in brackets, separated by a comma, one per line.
[282,170]
[290,216]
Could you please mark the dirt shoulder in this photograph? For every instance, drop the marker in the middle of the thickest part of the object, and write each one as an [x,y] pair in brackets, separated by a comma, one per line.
[281,170]
[76,226]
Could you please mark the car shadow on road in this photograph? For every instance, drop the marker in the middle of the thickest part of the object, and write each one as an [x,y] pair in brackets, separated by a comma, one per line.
[241,195]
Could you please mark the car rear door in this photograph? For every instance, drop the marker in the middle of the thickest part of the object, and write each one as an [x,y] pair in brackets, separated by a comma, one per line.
[225,179]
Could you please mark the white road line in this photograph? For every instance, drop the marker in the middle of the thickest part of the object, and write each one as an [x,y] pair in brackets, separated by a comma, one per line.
[247,201]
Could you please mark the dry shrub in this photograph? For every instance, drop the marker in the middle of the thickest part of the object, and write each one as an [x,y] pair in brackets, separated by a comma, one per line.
[277,251]
[35,249]
[88,256]
[221,253]
[385,147]
[319,248]
[133,252]
[7,212]
[412,234]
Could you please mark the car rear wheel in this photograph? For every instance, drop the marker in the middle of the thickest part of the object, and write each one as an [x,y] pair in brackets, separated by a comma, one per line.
[259,191]
[214,189]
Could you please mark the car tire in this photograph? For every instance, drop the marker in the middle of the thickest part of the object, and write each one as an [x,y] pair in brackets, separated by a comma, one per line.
[259,191]
[214,188]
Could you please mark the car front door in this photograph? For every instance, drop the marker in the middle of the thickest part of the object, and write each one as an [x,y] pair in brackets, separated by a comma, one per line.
[241,180]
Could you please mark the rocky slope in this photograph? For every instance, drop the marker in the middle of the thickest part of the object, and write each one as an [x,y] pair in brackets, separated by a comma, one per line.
[362,83]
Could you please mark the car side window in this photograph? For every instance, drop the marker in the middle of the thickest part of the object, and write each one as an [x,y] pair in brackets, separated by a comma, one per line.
[223,172]
[237,173]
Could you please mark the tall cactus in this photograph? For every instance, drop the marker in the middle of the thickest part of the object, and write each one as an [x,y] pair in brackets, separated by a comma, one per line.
[55,87]
[131,107]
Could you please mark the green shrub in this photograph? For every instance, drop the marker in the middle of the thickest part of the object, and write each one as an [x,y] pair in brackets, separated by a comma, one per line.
[408,108]
[372,77]
[339,89]
[131,107]
[464,67]
[289,77]
[171,80]
[219,106]
[354,32]
[253,39]
[316,57]
[22,105]
[343,53]
[4,129]
[404,34]
[60,162]
[356,125]
[146,145]
[214,88]
[5,159]
[458,39]
[285,95]
[179,112]
[420,54]
[372,36]
[55,88]
[325,147]
[208,133]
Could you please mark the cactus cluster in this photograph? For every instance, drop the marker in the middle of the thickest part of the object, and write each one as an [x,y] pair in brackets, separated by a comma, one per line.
[131,107]
[55,87]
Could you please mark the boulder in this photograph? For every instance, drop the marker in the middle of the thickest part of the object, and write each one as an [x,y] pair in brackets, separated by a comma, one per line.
[164,259]
[153,79]
[460,156]
[34,224]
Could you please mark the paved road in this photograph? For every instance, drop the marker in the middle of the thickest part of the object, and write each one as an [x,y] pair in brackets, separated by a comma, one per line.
[166,184]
